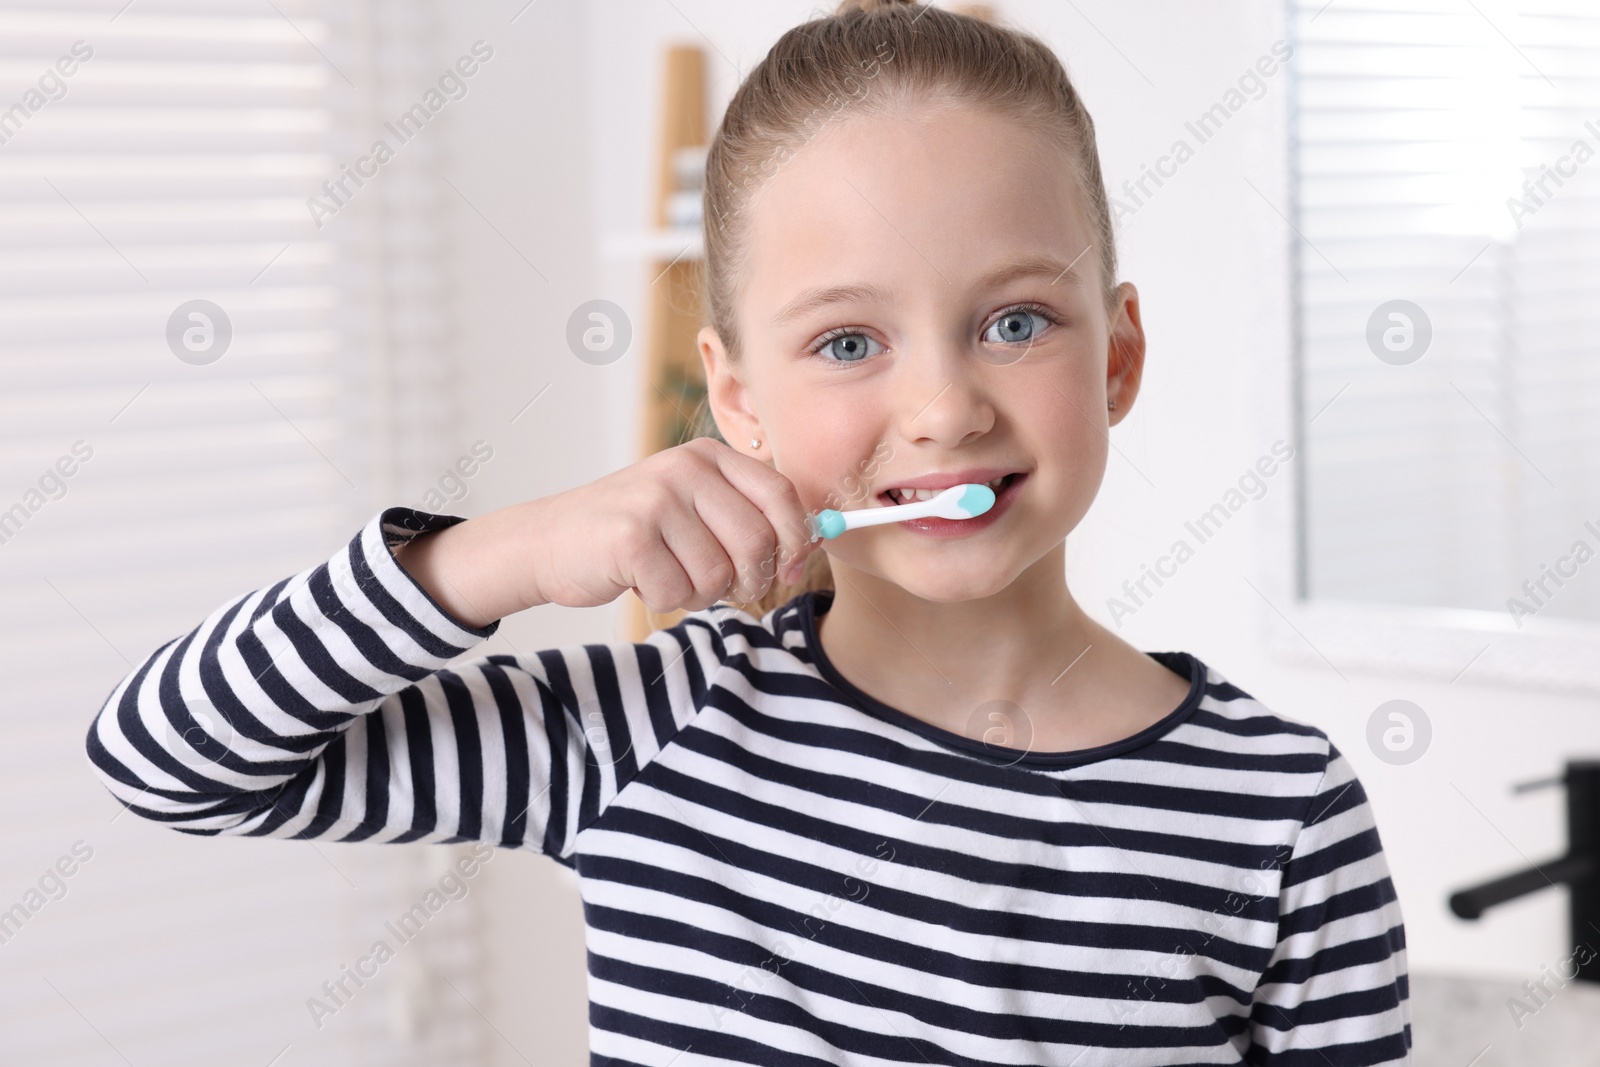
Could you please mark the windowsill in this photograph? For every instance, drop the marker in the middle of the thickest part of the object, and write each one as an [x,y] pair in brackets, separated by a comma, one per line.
[1456,645]
[1447,644]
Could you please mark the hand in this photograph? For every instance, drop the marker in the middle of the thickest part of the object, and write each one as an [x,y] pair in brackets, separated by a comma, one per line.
[684,528]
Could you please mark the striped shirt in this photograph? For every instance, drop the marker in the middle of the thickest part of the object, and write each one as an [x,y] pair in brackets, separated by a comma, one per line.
[777,868]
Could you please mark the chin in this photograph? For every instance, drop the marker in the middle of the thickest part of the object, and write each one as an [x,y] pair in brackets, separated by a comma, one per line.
[944,587]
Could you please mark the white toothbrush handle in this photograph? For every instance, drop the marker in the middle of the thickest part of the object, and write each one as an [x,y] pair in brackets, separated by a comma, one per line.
[957,502]
[920,509]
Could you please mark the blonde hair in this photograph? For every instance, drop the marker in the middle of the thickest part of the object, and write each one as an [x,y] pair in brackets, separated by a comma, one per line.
[870,55]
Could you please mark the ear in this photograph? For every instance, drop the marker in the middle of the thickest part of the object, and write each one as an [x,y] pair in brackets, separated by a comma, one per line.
[1124,352]
[726,394]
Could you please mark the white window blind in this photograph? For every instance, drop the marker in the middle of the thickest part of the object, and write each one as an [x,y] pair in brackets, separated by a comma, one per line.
[169,159]
[1450,481]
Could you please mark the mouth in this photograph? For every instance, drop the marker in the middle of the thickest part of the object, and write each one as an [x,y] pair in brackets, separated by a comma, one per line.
[908,495]
[1006,488]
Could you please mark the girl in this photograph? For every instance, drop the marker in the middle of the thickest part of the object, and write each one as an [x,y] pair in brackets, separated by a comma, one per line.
[909,803]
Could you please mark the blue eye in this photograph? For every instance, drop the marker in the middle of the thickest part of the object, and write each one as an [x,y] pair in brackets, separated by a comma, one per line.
[849,348]
[1018,325]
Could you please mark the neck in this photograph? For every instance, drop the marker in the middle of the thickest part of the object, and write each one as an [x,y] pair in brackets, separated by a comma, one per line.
[994,647]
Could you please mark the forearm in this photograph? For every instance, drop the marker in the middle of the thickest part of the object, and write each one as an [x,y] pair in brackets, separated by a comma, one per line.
[473,569]
[238,726]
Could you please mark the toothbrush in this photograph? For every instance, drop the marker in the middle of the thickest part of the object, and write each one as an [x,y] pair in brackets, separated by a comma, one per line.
[957,502]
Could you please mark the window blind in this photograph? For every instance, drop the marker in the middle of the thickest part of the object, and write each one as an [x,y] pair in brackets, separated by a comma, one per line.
[155,463]
[1447,155]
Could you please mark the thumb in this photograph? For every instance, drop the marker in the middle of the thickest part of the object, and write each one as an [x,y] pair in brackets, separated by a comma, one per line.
[795,568]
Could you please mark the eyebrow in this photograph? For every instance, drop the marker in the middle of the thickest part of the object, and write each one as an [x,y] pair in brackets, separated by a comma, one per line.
[816,299]
[1032,266]
[1027,267]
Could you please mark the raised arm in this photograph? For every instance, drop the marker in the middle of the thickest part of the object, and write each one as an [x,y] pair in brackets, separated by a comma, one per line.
[320,707]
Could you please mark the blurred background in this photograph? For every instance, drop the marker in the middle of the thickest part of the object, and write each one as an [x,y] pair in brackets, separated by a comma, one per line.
[233,328]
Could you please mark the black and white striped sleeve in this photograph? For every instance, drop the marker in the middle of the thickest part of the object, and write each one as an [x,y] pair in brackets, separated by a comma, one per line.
[1335,993]
[322,707]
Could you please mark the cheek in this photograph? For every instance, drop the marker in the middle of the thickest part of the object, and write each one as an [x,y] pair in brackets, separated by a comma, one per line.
[826,446]
[1080,453]
[1057,416]
[1069,398]
[1073,432]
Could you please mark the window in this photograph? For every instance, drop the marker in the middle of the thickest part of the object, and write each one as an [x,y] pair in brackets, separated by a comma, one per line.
[161,455]
[1446,161]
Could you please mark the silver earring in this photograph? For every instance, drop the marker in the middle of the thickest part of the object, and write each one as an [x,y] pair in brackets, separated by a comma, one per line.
[1111,405]
[754,444]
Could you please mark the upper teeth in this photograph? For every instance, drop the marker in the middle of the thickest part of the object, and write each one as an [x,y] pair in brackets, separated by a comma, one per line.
[907,496]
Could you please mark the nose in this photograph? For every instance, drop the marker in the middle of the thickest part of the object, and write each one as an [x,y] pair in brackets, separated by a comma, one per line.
[943,396]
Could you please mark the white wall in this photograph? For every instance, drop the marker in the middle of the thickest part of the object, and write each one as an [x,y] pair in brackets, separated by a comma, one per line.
[559,150]
[521,154]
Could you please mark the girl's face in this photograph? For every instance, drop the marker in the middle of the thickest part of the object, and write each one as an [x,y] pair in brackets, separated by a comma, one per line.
[921,296]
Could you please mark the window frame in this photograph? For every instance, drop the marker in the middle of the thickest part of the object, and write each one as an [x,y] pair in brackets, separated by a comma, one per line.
[1450,644]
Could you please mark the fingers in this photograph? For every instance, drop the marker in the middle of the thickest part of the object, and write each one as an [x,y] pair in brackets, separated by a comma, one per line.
[775,495]
[743,531]
[713,525]
[682,567]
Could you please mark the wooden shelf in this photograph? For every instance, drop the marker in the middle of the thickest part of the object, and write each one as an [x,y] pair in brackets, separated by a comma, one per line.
[674,385]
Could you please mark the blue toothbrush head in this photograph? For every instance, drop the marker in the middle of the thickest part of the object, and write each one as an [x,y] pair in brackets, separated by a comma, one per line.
[828,524]
[976,500]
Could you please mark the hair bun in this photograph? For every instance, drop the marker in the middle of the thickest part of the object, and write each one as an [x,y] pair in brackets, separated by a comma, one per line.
[869,6]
